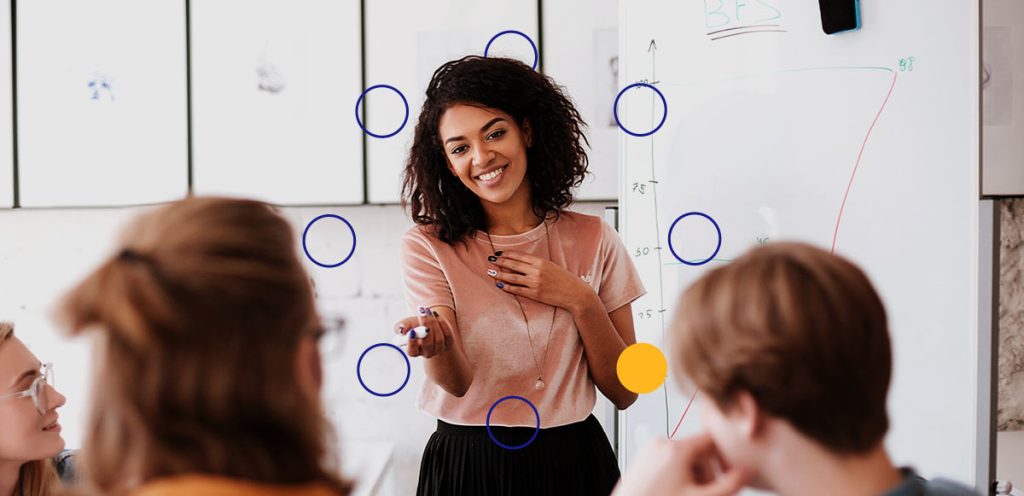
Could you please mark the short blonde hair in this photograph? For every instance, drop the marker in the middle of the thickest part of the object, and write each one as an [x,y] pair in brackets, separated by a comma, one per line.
[6,330]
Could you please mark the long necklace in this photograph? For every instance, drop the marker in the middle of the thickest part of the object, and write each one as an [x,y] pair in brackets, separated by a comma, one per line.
[539,385]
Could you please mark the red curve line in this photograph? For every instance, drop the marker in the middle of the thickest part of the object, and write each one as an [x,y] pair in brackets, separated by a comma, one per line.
[839,220]
[684,414]
[835,235]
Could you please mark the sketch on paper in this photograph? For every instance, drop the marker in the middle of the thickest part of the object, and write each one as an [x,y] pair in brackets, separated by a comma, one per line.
[997,78]
[101,88]
[268,78]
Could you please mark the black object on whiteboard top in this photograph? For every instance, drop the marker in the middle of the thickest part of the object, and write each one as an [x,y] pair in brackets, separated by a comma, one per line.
[839,15]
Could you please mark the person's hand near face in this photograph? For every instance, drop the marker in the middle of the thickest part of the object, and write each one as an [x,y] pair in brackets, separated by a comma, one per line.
[689,467]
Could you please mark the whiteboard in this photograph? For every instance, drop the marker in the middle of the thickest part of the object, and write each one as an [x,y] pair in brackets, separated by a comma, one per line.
[272,104]
[405,43]
[772,131]
[101,102]
[581,53]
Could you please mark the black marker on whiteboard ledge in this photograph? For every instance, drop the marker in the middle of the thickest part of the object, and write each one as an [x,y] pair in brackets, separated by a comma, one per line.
[839,15]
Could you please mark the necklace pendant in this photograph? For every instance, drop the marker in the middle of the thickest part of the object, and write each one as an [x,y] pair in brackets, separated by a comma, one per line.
[539,384]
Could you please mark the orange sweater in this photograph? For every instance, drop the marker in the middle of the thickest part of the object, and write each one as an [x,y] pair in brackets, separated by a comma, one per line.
[205,485]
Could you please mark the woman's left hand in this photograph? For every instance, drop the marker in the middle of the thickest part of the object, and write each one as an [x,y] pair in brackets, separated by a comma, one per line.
[539,279]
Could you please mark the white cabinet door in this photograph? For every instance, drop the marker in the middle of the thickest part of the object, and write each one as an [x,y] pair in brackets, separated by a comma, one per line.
[274,86]
[101,102]
[581,52]
[405,42]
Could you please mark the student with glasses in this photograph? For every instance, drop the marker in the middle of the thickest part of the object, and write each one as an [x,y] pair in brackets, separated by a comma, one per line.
[29,431]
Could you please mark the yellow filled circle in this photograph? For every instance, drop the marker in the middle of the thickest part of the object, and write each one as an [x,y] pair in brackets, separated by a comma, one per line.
[642,368]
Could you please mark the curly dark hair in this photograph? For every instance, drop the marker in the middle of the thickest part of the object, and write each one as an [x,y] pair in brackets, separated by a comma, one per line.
[557,160]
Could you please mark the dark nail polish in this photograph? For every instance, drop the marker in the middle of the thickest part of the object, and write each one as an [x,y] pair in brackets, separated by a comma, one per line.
[498,253]
[492,258]
[500,285]
[435,314]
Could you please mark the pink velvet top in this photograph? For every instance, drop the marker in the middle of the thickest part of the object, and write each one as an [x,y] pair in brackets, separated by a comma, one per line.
[492,328]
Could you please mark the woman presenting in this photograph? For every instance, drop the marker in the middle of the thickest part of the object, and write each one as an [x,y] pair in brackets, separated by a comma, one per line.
[526,304]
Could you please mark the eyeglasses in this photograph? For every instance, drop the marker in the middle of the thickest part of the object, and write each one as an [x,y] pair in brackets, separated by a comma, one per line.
[37,391]
[328,334]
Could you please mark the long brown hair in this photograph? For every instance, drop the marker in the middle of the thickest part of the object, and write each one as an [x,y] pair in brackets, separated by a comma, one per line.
[200,315]
[37,477]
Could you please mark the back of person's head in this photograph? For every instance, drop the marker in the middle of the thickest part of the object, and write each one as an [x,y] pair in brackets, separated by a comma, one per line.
[800,330]
[203,315]
[26,435]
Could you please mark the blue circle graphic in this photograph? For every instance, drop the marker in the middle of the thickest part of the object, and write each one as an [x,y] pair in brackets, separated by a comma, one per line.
[359,365]
[499,443]
[536,55]
[664,104]
[306,231]
[717,247]
[360,101]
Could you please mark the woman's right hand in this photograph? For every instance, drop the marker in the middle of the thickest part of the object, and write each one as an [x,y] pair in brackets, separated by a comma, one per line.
[439,334]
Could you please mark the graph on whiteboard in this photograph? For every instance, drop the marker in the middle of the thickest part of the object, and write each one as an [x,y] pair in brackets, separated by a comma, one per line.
[713,136]
[743,125]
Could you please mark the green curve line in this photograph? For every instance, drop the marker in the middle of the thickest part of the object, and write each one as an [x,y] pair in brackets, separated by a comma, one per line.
[789,71]
[719,260]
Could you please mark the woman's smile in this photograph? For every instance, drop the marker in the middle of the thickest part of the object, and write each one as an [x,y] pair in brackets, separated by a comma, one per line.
[493,177]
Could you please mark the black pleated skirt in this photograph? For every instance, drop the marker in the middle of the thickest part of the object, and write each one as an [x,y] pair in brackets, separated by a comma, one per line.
[574,459]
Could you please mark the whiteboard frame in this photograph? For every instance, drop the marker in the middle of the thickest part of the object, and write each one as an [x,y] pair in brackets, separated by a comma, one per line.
[988,344]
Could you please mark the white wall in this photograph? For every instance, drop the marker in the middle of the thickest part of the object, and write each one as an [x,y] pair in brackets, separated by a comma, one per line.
[45,251]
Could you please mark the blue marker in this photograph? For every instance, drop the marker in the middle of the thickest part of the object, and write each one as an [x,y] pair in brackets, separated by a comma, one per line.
[418,332]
